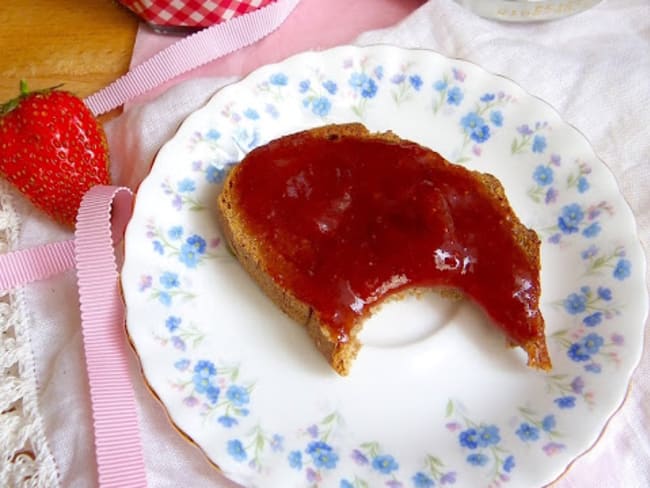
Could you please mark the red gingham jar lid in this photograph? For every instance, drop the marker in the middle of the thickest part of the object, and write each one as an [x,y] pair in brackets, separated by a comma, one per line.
[191,13]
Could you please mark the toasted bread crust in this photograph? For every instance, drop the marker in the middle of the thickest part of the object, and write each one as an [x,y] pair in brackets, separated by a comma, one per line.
[248,250]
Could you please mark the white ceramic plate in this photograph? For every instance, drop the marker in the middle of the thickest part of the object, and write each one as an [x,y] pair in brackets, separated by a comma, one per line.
[434,397]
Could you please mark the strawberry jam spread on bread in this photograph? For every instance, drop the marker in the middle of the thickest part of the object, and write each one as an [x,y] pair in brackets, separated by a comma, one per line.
[334,220]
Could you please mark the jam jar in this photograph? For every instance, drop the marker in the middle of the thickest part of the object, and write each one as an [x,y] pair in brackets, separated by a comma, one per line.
[527,10]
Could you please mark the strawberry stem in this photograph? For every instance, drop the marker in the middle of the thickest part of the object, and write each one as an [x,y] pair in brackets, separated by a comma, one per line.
[7,107]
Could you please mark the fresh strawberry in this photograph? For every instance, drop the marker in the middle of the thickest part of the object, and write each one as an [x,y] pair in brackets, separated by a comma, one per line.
[52,149]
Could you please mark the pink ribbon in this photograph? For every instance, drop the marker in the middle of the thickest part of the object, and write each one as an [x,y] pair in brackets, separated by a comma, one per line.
[120,460]
[102,218]
[191,52]
[36,263]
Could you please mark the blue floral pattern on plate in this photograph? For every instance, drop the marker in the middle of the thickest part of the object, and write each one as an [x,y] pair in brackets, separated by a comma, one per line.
[454,408]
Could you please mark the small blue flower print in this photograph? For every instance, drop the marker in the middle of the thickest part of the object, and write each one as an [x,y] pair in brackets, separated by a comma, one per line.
[213,134]
[475,127]
[593,319]
[527,432]
[303,86]
[576,303]
[362,82]
[197,243]
[182,364]
[469,438]
[175,232]
[165,298]
[158,247]
[345,484]
[188,255]
[539,144]
[509,464]
[214,174]
[322,454]
[277,443]
[317,446]
[496,117]
[421,480]
[570,218]
[415,81]
[191,251]
[455,96]
[488,97]
[330,86]
[440,85]
[321,106]
[379,72]
[577,352]
[203,370]
[548,423]
[278,79]
[385,464]
[592,343]
[589,253]
[543,175]
[565,402]
[622,269]
[212,393]
[172,323]
[592,230]
[169,280]
[488,436]
[604,293]
[251,114]
[227,421]
[186,185]
[369,88]
[530,139]
[295,460]
[583,184]
[398,78]
[593,368]
[237,395]
[477,459]
[236,450]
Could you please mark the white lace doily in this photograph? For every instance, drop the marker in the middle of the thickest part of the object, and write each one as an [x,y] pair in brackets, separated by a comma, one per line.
[25,459]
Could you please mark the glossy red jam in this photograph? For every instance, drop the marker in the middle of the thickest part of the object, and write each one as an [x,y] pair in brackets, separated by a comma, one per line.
[349,221]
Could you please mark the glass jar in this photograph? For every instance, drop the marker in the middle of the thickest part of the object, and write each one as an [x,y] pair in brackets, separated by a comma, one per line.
[527,10]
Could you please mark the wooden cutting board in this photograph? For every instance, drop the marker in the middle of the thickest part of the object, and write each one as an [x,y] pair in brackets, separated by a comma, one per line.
[83,44]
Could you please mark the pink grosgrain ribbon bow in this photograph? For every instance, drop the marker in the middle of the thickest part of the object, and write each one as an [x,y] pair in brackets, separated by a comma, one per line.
[101,221]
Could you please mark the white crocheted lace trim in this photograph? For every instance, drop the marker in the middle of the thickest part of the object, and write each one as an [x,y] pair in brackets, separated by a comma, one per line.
[25,458]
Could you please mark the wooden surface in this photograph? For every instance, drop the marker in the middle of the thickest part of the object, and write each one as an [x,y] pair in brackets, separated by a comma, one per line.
[84,44]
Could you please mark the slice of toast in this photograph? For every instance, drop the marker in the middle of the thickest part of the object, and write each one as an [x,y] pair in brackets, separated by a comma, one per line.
[322,177]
